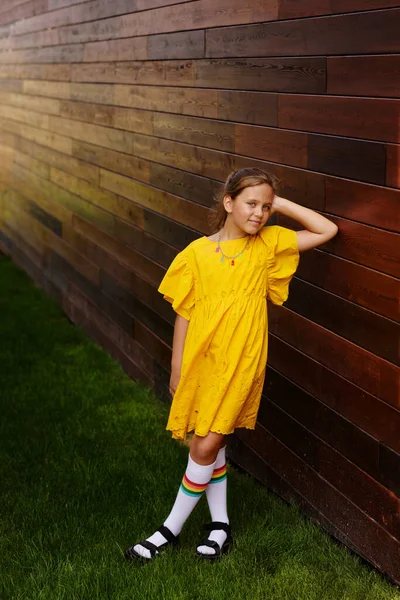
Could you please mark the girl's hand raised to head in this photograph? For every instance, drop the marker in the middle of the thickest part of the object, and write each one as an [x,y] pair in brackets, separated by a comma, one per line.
[318,229]
[276,204]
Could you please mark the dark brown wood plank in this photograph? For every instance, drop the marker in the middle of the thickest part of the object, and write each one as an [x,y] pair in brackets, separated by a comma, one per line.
[171,73]
[272,144]
[359,33]
[248,107]
[366,287]
[366,245]
[354,159]
[393,165]
[21,254]
[141,264]
[364,118]
[45,218]
[178,17]
[85,11]
[295,426]
[301,186]
[369,372]
[368,204]
[185,44]
[190,186]
[364,75]
[181,100]
[199,132]
[115,50]
[134,302]
[153,344]
[359,325]
[389,466]
[292,9]
[118,336]
[299,75]
[101,338]
[291,372]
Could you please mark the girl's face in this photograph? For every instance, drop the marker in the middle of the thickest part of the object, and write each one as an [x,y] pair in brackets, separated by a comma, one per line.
[250,210]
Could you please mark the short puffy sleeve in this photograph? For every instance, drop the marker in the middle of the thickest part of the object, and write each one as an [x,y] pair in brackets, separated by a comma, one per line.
[282,260]
[177,286]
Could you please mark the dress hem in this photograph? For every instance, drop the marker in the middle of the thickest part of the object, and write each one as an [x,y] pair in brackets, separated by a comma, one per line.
[177,435]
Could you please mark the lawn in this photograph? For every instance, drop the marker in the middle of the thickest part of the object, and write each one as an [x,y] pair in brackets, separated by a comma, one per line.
[87,468]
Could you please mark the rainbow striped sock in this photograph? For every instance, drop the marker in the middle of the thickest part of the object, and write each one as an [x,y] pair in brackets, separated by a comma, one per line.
[190,488]
[219,474]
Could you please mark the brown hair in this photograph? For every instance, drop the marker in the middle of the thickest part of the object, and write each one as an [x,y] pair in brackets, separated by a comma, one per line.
[236,182]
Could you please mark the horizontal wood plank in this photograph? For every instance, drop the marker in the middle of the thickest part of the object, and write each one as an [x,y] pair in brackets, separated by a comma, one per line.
[290,371]
[351,117]
[292,9]
[360,33]
[369,372]
[364,75]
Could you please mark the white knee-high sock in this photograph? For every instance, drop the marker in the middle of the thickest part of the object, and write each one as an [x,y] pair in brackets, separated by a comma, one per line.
[194,483]
[216,498]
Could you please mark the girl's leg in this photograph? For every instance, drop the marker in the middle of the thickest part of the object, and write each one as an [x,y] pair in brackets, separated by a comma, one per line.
[203,452]
[216,498]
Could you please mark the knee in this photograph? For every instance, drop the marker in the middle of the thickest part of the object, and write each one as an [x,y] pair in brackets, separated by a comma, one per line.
[204,450]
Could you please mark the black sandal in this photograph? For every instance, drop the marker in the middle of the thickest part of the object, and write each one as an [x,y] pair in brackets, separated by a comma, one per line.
[219,550]
[131,554]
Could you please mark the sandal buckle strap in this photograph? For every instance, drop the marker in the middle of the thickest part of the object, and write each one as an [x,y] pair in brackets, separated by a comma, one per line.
[149,546]
[167,533]
[218,525]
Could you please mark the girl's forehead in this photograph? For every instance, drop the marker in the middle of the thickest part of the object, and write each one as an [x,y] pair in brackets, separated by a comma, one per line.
[262,191]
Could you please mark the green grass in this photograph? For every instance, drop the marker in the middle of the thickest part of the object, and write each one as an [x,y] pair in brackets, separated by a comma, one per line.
[87,468]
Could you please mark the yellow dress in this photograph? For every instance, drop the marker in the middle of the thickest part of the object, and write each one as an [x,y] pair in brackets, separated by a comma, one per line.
[225,352]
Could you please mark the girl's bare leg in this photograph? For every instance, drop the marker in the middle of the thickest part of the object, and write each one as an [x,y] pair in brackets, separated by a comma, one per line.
[201,462]
[204,450]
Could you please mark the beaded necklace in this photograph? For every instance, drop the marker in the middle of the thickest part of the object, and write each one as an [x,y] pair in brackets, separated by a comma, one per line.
[240,254]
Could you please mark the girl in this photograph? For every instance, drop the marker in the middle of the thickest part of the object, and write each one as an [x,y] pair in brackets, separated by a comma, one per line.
[218,287]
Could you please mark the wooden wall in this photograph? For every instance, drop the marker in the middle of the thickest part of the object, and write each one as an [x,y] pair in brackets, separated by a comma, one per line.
[118,121]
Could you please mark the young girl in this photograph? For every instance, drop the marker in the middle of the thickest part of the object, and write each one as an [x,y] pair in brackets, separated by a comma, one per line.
[218,287]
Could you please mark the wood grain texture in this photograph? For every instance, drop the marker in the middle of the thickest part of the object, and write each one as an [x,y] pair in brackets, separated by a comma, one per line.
[369,372]
[373,205]
[359,325]
[293,372]
[364,75]
[352,117]
[364,286]
[366,32]
[290,75]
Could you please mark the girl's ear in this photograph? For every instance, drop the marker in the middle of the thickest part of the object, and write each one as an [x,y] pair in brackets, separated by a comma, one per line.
[228,201]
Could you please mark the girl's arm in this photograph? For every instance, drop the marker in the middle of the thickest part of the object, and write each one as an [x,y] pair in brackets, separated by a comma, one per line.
[318,228]
[178,344]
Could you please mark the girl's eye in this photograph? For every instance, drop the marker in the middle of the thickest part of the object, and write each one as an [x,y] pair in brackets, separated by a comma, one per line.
[266,206]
